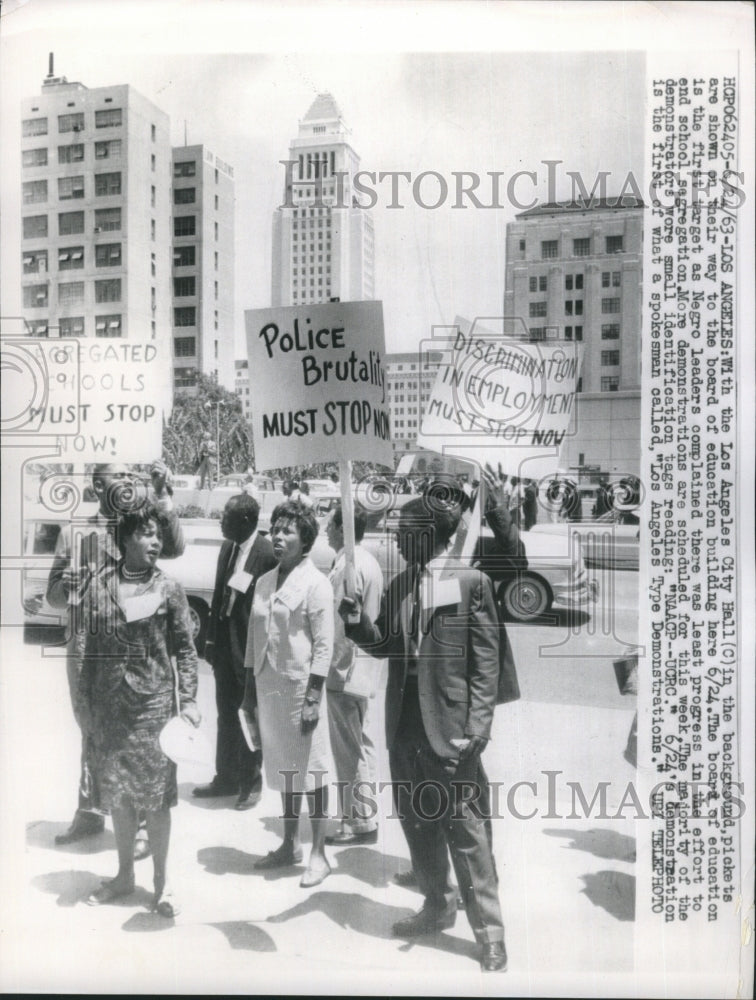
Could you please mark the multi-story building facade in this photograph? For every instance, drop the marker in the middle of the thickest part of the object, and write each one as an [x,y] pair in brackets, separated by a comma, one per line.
[323,246]
[203,267]
[573,271]
[96,195]
[409,381]
[241,386]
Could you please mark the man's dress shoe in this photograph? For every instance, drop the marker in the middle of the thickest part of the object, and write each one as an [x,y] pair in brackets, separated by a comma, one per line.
[248,799]
[425,921]
[214,790]
[494,957]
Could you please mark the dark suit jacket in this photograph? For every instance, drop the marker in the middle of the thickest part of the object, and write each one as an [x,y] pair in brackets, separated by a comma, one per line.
[458,662]
[228,638]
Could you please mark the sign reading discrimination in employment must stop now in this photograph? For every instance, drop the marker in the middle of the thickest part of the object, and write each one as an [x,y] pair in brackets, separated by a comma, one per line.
[319,384]
[502,401]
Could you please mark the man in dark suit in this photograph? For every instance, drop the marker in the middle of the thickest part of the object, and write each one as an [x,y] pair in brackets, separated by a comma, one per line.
[440,630]
[244,556]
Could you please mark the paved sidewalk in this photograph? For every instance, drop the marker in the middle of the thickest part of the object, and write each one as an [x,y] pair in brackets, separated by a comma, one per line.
[567,884]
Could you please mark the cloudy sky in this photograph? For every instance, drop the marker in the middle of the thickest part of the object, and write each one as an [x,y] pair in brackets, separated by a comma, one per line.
[443,111]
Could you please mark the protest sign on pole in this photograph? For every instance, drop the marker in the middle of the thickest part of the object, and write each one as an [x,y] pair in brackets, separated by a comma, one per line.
[320,390]
[502,401]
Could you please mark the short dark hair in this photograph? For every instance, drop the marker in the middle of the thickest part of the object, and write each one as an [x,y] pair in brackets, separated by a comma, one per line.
[360,520]
[303,517]
[424,512]
[247,506]
[135,520]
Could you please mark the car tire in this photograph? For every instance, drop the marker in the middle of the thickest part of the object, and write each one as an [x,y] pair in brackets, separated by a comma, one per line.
[525,597]
[198,615]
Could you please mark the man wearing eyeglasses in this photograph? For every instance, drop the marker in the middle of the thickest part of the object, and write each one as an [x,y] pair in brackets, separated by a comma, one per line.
[439,628]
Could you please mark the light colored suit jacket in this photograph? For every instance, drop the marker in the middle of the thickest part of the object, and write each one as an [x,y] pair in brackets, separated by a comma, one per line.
[292,629]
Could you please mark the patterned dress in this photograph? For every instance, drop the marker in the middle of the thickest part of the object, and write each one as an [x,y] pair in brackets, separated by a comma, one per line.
[128,686]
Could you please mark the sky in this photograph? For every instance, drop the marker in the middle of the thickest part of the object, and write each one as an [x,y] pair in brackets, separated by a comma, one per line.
[441,111]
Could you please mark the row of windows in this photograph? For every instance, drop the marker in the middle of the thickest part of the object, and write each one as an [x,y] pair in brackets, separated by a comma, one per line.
[74,326]
[70,258]
[71,293]
[71,187]
[105,220]
[572,307]
[108,118]
[609,279]
[581,247]
[107,149]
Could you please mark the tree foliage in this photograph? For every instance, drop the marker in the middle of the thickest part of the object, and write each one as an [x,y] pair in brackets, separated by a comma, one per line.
[195,415]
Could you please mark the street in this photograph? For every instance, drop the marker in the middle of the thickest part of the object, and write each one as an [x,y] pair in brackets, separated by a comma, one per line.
[567,881]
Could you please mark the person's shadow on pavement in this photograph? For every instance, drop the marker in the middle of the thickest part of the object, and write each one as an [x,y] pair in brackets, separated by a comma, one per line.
[74,887]
[602,843]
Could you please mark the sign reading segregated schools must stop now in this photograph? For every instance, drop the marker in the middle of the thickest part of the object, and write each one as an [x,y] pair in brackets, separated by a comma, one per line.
[502,401]
[318,385]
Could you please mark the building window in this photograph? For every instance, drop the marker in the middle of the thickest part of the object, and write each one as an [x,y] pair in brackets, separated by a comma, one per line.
[108,183]
[72,326]
[184,286]
[533,284]
[610,331]
[153,163]
[537,332]
[609,358]
[109,118]
[581,247]
[70,187]
[185,347]
[108,149]
[215,289]
[108,255]
[71,293]
[568,333]
[70,223]
[153,132]
[186,169]
[107,220]
[609,383]
[38,327]
[70,258]
[611,279]
[71,123]
[573,281]
[35,297]
[108,290]
[35,225]
[34,126]
[537,309]
[152,230]
[108,326]
[610,305]
[153,268]
[215,256]
[184,256]
[35,262]
[34,157]
[215,227]
[216,203]
[549,248]
[184,196]
[578,333]
[184,378]
[185,316]
[34,191]
[184,225]
[216,176]
[152,196]
[579,387]
[615,244]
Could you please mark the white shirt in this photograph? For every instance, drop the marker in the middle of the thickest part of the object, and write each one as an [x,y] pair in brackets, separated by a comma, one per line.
[241,555]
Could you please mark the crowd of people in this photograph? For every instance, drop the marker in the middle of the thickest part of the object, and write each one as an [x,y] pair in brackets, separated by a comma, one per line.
[295,657]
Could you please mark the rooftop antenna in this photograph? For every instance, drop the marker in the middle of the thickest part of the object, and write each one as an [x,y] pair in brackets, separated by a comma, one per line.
[50,64]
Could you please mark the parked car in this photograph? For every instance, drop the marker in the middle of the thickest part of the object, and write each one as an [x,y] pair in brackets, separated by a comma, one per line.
[555,577]
[611,541]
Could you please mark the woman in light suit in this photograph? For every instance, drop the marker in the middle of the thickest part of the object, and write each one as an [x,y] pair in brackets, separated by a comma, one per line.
[289,651]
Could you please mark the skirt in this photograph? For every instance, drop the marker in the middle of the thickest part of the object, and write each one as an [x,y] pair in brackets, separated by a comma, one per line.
[294,761]
[129,766]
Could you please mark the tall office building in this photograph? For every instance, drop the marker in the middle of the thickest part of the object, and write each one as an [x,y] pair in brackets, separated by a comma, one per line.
[323,246]
[203,267]
[574,271]
[409,380]
[96,195]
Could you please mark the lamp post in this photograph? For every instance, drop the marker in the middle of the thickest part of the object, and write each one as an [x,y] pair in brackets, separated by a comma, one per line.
[217,404]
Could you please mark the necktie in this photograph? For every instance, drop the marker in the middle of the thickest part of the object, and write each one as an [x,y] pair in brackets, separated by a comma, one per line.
[415,613]
[228,594]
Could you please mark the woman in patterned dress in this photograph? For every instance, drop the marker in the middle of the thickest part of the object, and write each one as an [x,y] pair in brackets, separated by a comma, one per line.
[289,651]
[136,620]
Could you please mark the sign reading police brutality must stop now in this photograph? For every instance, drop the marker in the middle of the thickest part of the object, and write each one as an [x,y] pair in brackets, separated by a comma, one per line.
[502,401]
[317,384]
